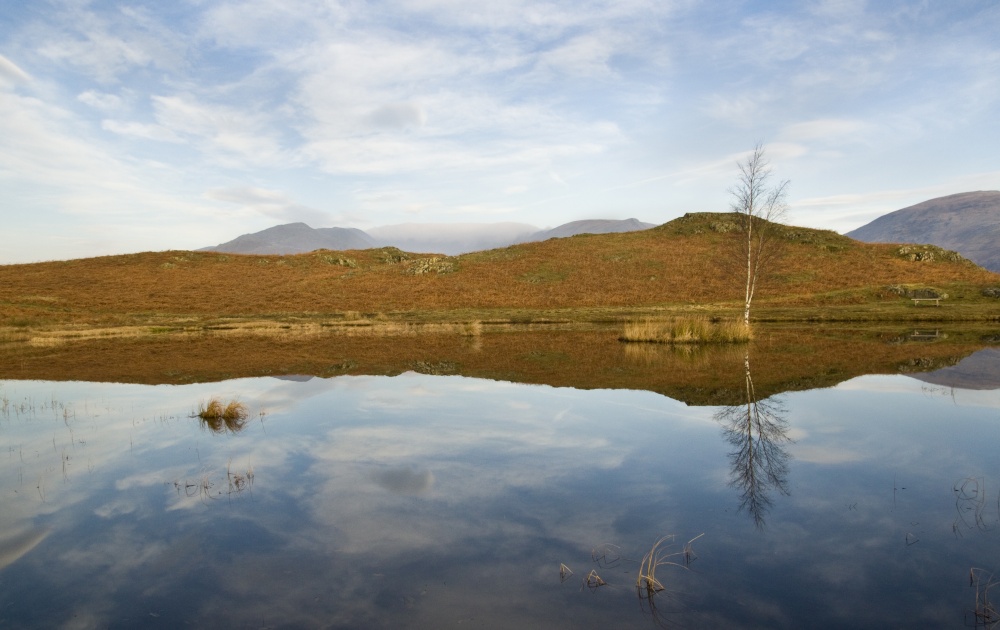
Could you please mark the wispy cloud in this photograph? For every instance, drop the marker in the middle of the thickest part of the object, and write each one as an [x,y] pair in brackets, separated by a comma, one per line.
[270,203]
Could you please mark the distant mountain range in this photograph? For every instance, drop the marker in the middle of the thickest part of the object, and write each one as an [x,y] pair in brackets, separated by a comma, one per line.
[438,238]
[295,238]
[968,223]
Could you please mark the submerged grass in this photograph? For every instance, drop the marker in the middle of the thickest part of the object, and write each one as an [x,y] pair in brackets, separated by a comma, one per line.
[647,584]
[685,330]
[985,614]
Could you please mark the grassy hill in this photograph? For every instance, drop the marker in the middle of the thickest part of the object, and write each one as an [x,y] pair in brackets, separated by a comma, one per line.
[678,266]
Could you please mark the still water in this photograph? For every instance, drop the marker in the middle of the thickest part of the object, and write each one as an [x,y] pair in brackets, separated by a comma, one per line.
[444,502]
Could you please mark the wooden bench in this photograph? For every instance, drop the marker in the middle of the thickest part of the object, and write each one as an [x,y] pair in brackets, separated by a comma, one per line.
[916,301]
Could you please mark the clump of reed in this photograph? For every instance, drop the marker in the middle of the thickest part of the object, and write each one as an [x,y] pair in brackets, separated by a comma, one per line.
[647,584]
[985,614]
[685,330]
[218,417]
[239,481]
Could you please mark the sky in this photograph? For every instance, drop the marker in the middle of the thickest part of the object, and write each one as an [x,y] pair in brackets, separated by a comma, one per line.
[151,125]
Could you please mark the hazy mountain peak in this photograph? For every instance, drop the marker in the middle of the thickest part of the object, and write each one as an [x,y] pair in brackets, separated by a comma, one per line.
[295,238]
[591,226]
[443,238]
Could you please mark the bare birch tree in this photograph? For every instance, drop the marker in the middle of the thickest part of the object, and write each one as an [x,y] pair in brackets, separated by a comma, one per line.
[759,207]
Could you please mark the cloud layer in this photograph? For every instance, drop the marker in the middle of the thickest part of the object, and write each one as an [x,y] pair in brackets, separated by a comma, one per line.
[121,120]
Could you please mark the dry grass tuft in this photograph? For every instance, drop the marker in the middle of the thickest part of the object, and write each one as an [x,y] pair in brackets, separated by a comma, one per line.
[218,418]
[593,580]
[985,614]
[647,584]
[564,572]
[685,330]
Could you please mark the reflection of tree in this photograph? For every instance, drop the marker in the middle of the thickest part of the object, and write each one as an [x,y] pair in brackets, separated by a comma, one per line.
[757,431]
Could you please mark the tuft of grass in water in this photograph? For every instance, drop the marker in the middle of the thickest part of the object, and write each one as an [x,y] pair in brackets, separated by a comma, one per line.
[986,614]
[593,580]
[685,330]
[647,584]
[218,417]
[239,481]
[564,572]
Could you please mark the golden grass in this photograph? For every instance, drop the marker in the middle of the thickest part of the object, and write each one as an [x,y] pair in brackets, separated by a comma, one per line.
[685,330]
[217,417]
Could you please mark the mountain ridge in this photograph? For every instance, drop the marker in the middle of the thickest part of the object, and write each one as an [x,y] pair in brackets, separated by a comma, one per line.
[295,238]
[447,238]
[968,223]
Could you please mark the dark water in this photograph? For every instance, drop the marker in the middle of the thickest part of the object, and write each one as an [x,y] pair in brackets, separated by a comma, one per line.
[446,502]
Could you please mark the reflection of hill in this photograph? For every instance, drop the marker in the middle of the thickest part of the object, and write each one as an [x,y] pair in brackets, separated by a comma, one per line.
[979,370]
[786,359]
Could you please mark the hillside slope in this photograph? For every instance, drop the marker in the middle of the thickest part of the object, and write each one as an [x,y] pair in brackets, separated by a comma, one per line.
[678,263]
[968,223]
[590,226]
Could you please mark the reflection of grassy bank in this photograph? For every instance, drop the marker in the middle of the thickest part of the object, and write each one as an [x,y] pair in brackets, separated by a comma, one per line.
[786,358]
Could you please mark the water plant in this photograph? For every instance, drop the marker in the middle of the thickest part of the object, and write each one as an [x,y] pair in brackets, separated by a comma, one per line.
[218,417]
[685,330]
[985,614]
[564,572]
[647,584]
[593,580]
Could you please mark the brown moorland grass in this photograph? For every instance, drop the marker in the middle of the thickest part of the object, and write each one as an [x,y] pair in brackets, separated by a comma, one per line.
[783,358]
[676,265]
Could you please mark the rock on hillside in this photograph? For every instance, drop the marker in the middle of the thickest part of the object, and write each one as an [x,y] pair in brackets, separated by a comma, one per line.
[295,238]
[968,223]
[590,226]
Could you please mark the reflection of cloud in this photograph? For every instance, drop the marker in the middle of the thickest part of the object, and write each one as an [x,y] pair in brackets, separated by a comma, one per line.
[15,545]
[826,455]
[524,477]
[404,480]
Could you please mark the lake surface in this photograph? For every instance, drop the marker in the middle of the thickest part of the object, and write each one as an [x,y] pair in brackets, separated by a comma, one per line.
[429,501]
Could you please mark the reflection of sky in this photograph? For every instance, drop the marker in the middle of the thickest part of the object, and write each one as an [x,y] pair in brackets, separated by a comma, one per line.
[889,384]
[425,501]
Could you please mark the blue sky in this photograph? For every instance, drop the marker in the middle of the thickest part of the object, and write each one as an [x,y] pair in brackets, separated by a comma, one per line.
[135,126]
